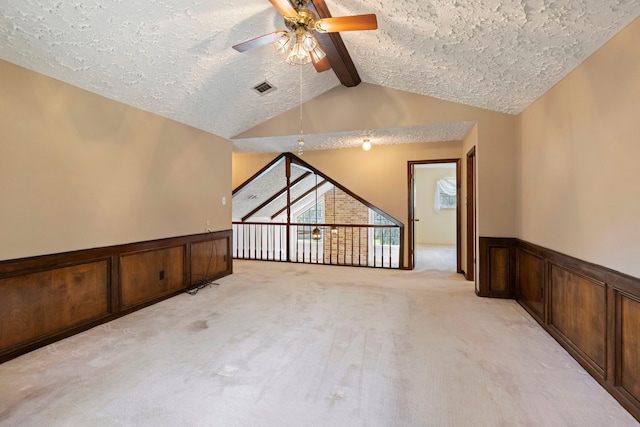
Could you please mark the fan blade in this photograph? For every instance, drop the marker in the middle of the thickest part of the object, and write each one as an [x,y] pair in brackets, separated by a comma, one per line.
[285,8]
[347,23]
[321,65]
[259,41]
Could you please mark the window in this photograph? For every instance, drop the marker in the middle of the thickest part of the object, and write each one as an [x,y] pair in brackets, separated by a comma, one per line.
[445,194]
[384,236]
[309,216]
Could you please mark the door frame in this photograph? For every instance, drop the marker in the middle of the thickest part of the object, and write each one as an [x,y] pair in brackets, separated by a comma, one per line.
[470,273]
[411,187]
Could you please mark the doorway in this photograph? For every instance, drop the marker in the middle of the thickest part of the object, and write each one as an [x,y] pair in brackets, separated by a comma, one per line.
[435,214]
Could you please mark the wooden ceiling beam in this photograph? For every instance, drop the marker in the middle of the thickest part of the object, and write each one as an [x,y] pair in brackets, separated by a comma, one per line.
[334,47]
[275,196]
[297,199]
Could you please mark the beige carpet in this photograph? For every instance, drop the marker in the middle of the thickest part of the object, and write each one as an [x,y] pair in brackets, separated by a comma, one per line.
[296,345]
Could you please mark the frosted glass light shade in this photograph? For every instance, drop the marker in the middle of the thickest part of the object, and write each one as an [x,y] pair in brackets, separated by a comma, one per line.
[298,56]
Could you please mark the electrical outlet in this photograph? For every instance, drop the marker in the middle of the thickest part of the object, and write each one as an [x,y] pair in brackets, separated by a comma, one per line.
[224,200]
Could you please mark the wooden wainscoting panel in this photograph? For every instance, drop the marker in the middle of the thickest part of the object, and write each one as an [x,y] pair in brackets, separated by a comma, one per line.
[149,275]
[530,282]
[496,276]
[36,305]
[591,310]
[46,298]
[209,258]
[578,313]
[499,270]
[630,345]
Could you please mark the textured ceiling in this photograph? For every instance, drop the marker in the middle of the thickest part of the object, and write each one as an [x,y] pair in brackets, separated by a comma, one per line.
[441,132]
[174,57]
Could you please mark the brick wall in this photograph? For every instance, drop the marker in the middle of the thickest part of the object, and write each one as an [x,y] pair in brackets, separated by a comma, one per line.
[350,244]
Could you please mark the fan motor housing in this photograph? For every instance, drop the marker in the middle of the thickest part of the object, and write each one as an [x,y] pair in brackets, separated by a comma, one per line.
[305,19]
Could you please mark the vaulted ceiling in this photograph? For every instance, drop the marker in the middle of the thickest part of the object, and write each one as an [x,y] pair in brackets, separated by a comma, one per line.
[174,57]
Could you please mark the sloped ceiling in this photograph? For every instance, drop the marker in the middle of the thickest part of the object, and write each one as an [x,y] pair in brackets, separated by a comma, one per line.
[174,57]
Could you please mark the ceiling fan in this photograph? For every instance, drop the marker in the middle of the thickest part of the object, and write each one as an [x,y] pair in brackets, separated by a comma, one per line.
[300,41]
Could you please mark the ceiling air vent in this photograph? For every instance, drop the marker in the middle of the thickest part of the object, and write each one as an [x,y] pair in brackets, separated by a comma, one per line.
[264,88]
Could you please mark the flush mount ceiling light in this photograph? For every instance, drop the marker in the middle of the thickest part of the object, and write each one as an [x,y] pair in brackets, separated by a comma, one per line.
[366,144]
[299,43]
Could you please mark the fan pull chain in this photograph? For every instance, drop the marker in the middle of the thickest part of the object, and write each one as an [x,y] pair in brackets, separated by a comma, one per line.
[301,139]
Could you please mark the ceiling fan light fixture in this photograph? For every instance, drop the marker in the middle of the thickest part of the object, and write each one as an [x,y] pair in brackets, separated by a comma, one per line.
[284,43]
[298,56]
[303,22]
[317,54]
[309,42]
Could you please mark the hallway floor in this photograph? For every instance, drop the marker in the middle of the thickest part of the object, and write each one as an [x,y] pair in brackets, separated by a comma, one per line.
[434,257]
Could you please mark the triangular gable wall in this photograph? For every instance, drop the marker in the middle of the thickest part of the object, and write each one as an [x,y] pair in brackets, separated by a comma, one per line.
[292,195]
[265,193]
